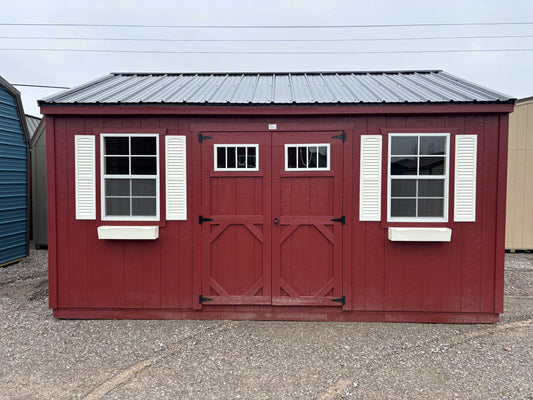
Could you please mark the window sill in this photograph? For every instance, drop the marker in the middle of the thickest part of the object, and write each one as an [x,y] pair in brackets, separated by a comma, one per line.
[128,232]
[420,234]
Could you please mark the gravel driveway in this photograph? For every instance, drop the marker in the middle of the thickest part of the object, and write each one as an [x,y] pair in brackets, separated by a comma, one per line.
[45,358]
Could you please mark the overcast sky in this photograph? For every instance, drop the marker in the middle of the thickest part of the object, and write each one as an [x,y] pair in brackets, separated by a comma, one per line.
[229,48]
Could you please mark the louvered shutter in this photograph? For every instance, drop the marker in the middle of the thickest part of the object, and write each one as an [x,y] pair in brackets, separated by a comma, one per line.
[370,178]
[465,178]
[176,176]
[85,170]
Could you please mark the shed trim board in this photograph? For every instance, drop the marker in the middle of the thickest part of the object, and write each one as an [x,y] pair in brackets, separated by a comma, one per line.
[271,237]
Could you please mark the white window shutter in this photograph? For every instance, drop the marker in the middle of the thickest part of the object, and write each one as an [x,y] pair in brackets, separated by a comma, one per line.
[370,178]
[85,170]
[465,178]
[176,175]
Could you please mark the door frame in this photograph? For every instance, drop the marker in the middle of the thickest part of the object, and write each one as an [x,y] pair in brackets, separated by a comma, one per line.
[194,177]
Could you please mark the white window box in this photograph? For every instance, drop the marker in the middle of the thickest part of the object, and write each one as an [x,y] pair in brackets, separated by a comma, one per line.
[420,234]
[128,232]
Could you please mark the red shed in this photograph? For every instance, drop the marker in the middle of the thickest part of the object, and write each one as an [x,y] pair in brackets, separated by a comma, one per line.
[345,196]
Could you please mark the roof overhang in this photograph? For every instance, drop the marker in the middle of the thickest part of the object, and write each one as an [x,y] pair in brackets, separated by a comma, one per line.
[321,109]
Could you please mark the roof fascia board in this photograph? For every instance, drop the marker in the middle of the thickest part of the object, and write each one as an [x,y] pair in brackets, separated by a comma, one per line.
[136,109]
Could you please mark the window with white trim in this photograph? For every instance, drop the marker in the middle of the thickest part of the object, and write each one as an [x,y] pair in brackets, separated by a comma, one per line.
[236,157]
[418,171]
[307,157]
[130,177]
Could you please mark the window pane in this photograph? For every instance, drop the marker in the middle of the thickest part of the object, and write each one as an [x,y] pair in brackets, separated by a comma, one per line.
[403,166]
[143,166]
[117,165]
[430,208]
[143,187]
[403,188]
[404,145]
[431,188]
[322,157]
[432,166]
[432,145]
[117,187]
[143,207]
[116,145]
[241,157]
[116,207]
[231,157]
[302,157]
[251,157]
[403,208]
[221,157]
[291,155]
[143,146]
[312,157]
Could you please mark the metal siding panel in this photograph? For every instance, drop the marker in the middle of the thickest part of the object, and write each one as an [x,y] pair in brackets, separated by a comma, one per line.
[13,181]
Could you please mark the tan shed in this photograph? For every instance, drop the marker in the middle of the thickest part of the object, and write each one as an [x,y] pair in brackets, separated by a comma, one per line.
[519,223]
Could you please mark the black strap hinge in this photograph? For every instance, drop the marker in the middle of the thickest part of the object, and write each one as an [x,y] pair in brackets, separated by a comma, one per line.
[202,299]
[341,136]
[202,219]
[201,137]
[342,220]
[341,300]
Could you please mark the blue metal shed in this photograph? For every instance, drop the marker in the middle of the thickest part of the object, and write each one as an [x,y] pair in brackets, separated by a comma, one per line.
[14,177]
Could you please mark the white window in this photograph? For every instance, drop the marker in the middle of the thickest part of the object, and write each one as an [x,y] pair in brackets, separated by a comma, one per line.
[236,157]
[418,170]
[307,157]
[130,177]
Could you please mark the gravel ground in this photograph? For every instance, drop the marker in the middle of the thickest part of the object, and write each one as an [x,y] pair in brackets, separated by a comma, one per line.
[45,358]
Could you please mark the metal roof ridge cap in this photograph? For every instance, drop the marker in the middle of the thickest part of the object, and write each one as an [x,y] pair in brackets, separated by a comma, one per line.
[77,88]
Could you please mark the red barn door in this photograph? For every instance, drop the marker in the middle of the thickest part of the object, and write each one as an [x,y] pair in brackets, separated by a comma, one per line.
[306,198]
[269,201]
[236,248]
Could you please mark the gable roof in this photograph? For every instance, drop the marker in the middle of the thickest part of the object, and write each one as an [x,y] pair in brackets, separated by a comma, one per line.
[11,90]
[278,89]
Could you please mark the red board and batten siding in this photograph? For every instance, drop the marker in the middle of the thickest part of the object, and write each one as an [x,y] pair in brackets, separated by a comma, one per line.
[459,281]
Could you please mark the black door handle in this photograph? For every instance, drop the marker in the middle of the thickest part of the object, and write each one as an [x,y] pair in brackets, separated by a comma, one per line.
[276,220]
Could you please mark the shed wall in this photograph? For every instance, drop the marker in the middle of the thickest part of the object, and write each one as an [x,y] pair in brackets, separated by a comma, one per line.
[38,183]
[13,182]
[519,224]
[461,276]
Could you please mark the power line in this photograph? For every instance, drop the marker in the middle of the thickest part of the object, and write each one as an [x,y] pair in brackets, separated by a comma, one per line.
[274,52]
[40,86]
[270,26]
[264,40]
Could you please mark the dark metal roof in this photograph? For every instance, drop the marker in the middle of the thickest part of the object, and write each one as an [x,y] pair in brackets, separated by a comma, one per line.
[278,89]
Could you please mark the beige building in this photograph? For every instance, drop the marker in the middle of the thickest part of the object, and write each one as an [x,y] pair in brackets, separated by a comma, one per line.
[519,223]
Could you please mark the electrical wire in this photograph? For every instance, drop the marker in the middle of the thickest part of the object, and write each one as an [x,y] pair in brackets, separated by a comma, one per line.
[269,26]
[264,40]
[271,52]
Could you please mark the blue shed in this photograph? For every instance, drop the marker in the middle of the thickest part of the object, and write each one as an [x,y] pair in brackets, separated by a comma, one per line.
[14,177]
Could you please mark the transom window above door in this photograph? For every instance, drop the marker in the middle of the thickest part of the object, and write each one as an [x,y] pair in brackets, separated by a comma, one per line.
[306,157]
[418,177]
[236,157]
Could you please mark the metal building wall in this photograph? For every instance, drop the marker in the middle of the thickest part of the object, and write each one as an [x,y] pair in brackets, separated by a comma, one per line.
[519,221]
[13,181]
[38,184]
